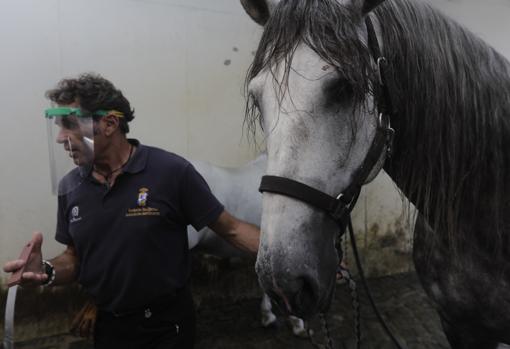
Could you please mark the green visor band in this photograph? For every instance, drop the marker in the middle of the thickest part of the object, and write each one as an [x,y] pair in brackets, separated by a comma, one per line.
[65,111]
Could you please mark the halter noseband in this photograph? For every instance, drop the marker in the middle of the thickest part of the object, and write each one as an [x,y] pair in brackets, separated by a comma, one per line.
[340,207]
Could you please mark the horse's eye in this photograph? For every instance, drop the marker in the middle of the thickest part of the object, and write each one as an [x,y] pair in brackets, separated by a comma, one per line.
[338,91]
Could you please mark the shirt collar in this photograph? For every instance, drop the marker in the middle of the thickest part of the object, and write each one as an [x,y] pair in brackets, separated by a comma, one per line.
[139,158]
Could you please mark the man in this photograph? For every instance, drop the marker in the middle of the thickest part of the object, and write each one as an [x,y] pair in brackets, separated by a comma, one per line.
[123,212]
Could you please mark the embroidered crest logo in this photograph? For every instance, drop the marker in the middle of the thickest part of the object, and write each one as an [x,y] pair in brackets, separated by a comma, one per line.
[142,209]
[143,194]
[75,215]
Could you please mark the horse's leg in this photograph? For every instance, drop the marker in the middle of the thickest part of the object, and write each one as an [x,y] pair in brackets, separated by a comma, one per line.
[267,316]
[465,339]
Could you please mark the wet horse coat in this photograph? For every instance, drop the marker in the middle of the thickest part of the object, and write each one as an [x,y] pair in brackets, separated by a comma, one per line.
[314,86]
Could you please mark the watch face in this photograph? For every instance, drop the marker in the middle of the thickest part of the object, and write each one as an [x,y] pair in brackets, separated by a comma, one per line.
[48,269]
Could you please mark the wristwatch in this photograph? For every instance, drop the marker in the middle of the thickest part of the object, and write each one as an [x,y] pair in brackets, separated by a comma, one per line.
[49,270]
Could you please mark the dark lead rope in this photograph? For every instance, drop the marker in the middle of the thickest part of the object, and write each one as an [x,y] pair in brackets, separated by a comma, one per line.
[367,289]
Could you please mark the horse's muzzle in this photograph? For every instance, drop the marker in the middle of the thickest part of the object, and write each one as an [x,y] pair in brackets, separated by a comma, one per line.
[297,294]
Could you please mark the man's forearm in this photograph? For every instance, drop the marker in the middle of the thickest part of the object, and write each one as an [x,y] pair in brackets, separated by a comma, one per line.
[246,237]
[242,235]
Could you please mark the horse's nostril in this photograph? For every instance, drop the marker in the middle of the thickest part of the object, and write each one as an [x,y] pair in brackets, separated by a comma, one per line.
[307,296]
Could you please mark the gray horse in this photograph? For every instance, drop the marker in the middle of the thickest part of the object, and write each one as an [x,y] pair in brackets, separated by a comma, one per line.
[322,93]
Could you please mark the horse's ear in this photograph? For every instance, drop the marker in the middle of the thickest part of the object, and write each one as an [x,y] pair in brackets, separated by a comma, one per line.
[259,10]
[369,5]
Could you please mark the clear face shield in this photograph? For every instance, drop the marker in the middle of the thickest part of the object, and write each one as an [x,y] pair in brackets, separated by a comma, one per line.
[71,147]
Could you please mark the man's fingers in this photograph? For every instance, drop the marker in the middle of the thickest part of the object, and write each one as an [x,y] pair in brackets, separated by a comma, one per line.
[37,277]
[12,266]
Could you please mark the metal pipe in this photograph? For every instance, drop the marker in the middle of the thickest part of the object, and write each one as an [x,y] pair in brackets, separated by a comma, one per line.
[9,318]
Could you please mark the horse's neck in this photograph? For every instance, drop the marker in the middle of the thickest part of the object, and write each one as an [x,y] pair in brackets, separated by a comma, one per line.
[452,106]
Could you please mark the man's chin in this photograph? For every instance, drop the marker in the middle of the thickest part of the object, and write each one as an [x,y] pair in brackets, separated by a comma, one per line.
[79,161]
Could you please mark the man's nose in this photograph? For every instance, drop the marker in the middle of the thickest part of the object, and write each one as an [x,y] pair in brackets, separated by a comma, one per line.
[62,136]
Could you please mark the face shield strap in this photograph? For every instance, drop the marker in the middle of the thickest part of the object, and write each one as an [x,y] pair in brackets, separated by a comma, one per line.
[63,111]
[112,112]
[66,111]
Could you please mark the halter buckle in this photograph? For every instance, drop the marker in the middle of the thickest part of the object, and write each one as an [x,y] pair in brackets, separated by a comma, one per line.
[339,212]
[390,134]
[384,122]
[341,208]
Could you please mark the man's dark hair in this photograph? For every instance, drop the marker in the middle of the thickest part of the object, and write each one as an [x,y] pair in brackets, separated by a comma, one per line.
[93,92]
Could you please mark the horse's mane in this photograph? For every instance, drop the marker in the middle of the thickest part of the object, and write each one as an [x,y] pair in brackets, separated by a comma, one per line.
[452,90]
[454,123]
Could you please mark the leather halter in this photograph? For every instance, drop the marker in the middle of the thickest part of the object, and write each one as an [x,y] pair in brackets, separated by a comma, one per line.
[340,207]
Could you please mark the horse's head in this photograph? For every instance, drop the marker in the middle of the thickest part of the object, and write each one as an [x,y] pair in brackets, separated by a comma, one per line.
[311,85]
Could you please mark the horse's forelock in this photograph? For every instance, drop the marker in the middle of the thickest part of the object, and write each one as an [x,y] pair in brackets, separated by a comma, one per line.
[328,28]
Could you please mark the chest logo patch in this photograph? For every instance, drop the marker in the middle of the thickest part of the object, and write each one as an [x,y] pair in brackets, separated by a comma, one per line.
[143,194]
[142,209]
[75,215]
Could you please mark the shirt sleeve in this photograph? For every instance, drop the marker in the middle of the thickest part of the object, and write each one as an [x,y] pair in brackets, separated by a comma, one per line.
[62,234]
[199,204]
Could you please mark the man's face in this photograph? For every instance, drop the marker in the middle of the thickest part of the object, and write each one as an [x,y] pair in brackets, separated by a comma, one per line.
[76,135]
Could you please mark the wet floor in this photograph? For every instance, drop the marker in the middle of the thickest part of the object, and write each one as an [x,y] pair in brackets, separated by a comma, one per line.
[236,325]
[400,299]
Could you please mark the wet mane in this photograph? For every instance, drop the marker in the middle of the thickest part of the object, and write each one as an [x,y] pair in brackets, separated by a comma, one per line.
[453,121]
[452,156]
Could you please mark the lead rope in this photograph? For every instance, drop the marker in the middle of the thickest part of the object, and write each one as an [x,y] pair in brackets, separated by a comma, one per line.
[327,334]
[346,275]
[355,298]
[365,285]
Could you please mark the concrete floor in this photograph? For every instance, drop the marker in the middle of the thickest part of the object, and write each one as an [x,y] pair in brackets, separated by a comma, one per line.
[235,325]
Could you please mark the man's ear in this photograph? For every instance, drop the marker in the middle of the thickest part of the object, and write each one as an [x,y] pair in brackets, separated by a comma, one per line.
[259,10]
[111,123]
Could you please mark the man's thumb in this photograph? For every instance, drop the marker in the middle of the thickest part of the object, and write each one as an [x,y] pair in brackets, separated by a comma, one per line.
[37,239]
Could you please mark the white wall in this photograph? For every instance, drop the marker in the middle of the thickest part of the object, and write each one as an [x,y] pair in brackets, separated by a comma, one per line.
[182,65]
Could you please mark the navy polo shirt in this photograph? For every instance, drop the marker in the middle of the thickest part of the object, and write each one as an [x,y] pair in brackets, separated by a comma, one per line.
[131,239]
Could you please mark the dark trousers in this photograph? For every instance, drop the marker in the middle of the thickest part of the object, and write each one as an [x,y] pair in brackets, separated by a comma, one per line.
[162,325]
